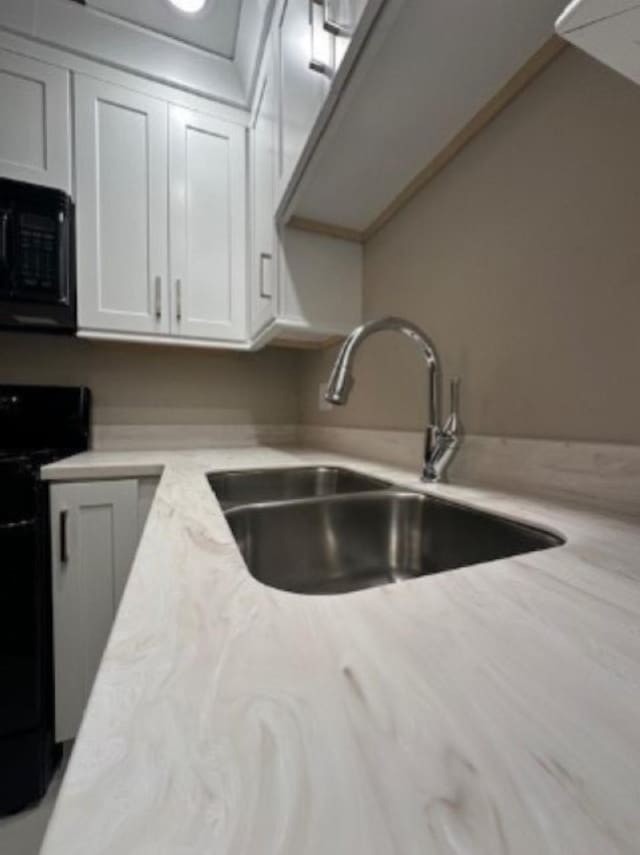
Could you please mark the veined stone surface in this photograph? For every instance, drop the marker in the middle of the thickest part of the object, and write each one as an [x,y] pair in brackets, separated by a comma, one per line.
[491,710]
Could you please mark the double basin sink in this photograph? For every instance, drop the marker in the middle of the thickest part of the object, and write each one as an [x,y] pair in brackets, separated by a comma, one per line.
[328,530]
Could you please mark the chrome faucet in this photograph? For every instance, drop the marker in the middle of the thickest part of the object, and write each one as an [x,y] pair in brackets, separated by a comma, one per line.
[441,442]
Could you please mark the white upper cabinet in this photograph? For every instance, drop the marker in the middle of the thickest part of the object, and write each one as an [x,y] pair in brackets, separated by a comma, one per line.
[420,78]
[609,30]
[304,286]
[302,89]
[340,18]
[581,13]
[35,142]
[207,226]
[320,285]
[161,218]
[121,171]
[263,174]
[178,238]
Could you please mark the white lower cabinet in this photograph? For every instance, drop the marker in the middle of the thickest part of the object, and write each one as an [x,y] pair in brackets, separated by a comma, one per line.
[95,530]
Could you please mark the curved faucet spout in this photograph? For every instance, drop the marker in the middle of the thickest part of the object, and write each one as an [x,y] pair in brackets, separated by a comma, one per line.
[341,381]
[440,442]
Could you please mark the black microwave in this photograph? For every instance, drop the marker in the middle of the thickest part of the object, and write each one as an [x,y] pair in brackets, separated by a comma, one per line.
[37,258]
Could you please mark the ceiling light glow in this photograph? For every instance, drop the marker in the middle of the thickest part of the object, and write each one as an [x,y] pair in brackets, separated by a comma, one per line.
[189,6]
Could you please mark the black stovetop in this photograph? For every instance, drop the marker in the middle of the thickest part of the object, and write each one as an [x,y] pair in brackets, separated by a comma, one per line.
[44,423]
[35,457]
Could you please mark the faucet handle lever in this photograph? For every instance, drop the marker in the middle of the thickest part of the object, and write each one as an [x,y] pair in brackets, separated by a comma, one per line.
[452,424]
[455,396]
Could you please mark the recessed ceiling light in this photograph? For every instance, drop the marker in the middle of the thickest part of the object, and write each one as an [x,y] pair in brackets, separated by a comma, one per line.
[189,6]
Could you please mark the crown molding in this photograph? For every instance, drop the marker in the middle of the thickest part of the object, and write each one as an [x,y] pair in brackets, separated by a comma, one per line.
[119,44]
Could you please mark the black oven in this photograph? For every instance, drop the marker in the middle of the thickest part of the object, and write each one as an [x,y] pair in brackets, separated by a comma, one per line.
[38,424]
[37,258]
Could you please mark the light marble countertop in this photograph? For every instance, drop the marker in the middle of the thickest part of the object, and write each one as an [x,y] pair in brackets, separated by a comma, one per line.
[484,711]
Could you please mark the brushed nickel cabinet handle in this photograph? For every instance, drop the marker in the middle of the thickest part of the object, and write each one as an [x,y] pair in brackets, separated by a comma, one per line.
[265,293]
[331,25]
[158,297]
[317,13]
[178,299]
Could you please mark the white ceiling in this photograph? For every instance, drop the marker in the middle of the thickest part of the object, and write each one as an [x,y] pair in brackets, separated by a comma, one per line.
[214,29]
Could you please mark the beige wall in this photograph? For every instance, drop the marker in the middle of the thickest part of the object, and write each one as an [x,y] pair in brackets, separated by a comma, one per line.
[142,385]
[522,261]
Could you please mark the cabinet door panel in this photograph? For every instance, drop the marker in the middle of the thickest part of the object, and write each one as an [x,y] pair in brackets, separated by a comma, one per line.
[122,209]
[207,226]
[94,539]
[35,141]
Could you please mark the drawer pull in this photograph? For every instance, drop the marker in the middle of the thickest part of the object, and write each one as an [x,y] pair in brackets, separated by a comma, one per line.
[64,545]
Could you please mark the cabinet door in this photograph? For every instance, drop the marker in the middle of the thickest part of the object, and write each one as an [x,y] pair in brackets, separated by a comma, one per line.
[302,90]
[35,139]
[121,161]
[207,226]
[94,536]
[263,168]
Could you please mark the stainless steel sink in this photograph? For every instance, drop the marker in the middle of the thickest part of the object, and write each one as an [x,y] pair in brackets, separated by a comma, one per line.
[340,544]
[268,485]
